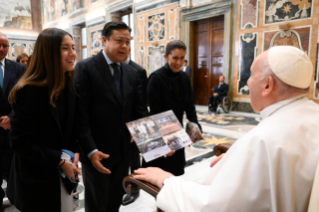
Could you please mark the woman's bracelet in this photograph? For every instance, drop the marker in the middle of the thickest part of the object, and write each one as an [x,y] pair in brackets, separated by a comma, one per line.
[61,164]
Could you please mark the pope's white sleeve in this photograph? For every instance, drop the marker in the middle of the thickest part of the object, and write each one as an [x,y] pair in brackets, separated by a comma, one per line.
[178,195]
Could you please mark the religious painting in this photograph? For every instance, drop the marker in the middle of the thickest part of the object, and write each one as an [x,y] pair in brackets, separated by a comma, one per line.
[155,58]
[141,30]
[53,10]
[31,48]
[287,10]
[156,27]
[249,14]
[297,37]
[172,24]
[18,48]
[247,54]
[316,82]
[141,56]
[96,40]
[16,14]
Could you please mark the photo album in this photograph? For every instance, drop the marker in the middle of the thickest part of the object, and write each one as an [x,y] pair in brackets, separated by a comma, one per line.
[158,134]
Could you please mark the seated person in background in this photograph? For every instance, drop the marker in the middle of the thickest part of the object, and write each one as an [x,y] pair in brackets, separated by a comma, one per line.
[23,59]
[270,168]
[220,91]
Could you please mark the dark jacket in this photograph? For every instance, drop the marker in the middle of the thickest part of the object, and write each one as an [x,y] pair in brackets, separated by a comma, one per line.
[171,91]
[37,140]
[102,116]
[13,72]
[222,90]
[142,76]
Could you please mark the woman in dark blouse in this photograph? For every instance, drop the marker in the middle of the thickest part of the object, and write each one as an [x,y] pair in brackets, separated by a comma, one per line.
[43,101]
[170,89]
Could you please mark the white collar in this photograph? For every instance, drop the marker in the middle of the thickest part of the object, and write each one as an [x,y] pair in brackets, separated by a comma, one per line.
[108,60]
[3,62]
[127,61]
[278,105]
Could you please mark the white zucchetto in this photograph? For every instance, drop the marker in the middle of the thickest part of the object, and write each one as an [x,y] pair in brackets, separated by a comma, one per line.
[291,65]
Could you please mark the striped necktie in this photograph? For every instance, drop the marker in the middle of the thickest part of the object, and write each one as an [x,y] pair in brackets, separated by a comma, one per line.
[117,77]
[1,75]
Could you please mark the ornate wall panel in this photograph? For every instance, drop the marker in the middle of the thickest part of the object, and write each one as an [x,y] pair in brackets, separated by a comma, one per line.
[172,24]
[141,56]
[287,10]
[94,39]
[249,13]
[141,30]
[298,37]
[247,54]
[155,58]
[156,27]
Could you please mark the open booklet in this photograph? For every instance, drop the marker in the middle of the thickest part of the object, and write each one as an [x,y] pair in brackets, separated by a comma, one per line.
[156,135]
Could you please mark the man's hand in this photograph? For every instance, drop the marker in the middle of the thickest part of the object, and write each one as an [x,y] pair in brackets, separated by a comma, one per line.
[170,153]
[132,139]
[96,161]
[215,94]
[213,163]
[76,158]
[152,175]
[5,122]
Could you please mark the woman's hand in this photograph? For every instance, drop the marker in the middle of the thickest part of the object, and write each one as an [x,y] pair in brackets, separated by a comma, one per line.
[170,153]
[69,169]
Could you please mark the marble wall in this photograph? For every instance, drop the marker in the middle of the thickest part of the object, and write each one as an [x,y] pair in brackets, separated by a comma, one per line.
[155,28]
[266,23]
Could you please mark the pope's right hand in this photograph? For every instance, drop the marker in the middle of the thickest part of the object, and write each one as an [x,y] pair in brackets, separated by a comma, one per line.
[96,158]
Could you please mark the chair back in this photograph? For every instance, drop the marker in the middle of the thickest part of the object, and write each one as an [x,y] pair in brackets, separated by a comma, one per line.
[314,198]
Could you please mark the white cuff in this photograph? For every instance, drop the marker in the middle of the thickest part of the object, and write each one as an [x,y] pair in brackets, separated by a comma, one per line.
[91,153]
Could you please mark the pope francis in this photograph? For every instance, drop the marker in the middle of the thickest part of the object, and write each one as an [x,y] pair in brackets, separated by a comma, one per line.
[272,167]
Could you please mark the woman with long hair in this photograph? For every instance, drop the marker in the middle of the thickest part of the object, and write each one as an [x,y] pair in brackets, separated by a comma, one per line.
[43,101]
[23,59]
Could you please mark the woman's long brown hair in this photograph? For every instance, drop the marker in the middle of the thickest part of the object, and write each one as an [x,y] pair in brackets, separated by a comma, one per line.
[45,68]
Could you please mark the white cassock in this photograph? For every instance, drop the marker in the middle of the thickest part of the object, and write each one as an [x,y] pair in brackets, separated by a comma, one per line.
[271,168]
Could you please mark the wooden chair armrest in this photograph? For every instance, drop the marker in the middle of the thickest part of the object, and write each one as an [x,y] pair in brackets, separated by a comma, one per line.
[221,148]
[130,184]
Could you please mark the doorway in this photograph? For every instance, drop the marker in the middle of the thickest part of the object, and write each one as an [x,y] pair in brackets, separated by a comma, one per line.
[208,57]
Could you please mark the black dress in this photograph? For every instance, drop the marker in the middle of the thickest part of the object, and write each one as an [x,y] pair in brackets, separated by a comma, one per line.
[167,90]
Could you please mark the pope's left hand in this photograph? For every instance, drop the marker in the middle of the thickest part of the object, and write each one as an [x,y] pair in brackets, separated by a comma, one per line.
[153,175]
[5,122]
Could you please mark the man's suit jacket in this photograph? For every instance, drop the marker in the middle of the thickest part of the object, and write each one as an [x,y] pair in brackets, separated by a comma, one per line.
[12,73]
[102,116]
[142,76]
[188,71]
[222,90]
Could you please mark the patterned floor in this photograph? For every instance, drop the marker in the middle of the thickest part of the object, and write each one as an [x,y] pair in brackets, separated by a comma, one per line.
[220,128]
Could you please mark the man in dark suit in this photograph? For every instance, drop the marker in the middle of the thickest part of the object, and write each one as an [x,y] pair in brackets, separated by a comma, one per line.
[187,69]
[135,161]
[10,73]
[220,91]
[109,95]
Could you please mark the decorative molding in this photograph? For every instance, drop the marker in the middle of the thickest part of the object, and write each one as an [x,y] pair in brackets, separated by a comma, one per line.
[141,29]
[95,21]
[148,5]
[206,11]
[120,5]
[20,37]
[78,20]
[172,24]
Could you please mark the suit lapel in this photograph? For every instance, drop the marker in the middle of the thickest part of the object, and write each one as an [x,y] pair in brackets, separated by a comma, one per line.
[105,71]
[7,75]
